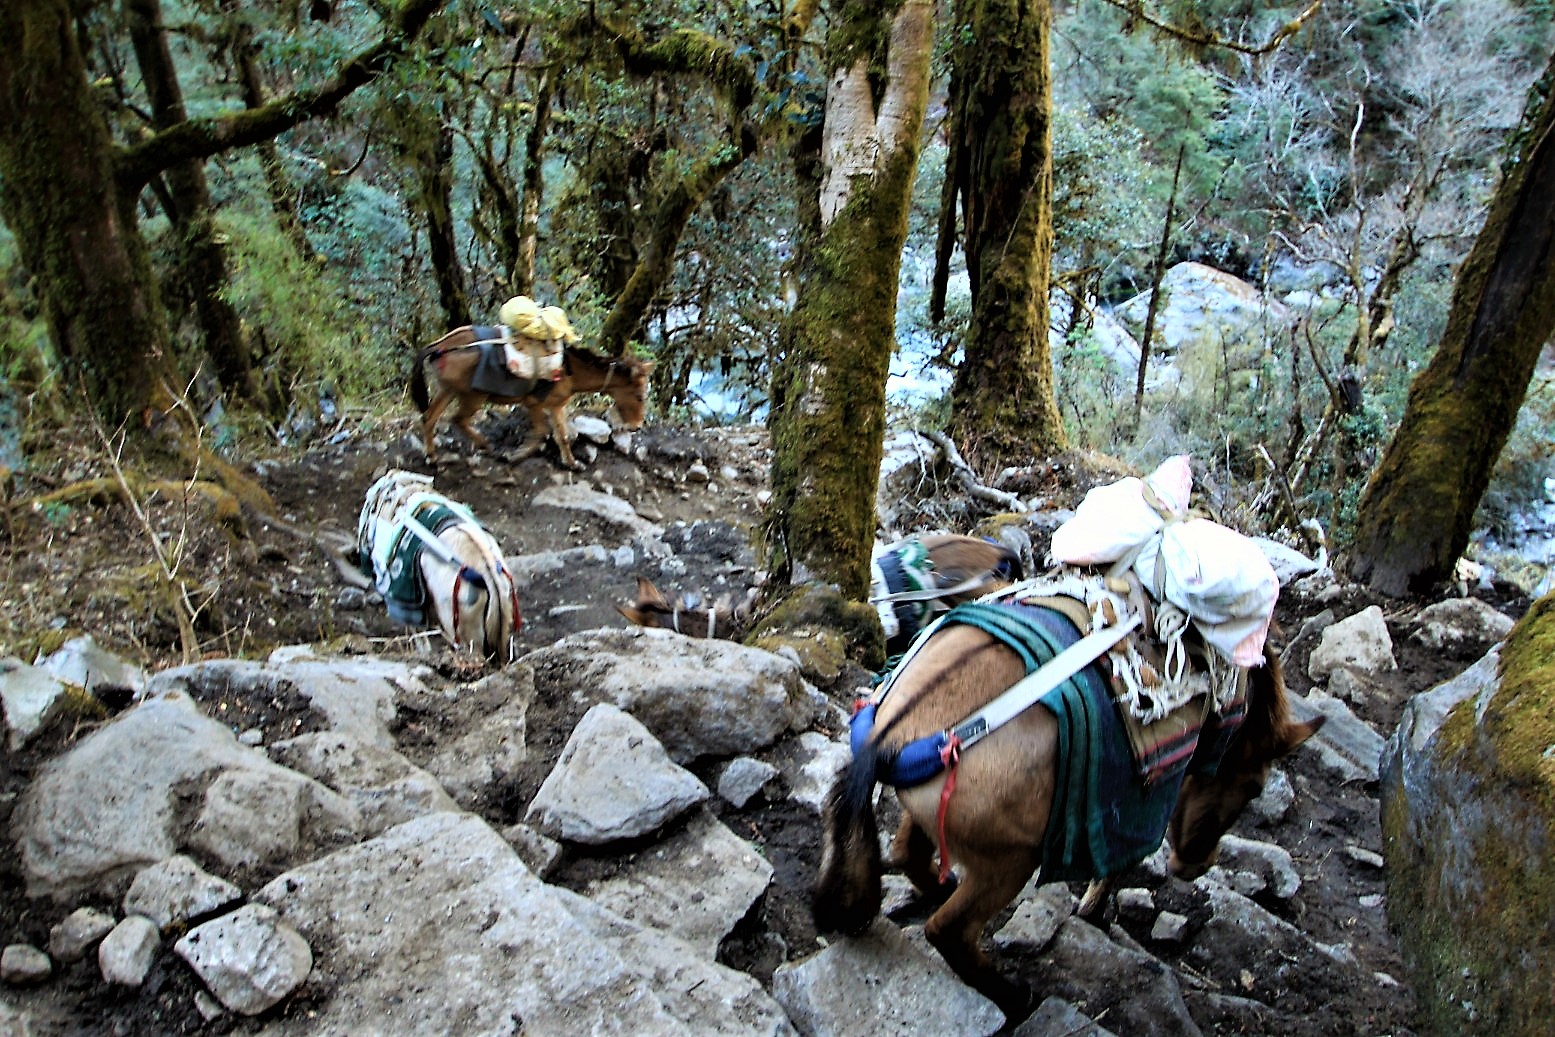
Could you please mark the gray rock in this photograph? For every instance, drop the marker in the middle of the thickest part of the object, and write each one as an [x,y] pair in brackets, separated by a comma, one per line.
[1273,866]
[813,770]
[1361,643]
[1276,799]
[30,697]
[250,960]
[536,849]
[80,661]
[1346,745]
[668,888]
[440,908]
[383,786]
[1037,918]
[1169,927]
[1056,1017]
[1459,620]
[111,805]
[743,779]
[604,506]
[880,984]
[704,996]
[699,697]
[176,890]
[1088,964]
[22,964]
[612,781]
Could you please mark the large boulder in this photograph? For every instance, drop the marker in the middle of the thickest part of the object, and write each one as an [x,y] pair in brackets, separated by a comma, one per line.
[1468,801]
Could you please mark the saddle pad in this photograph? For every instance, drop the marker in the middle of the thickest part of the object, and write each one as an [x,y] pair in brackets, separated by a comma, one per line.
[398,575]
[491,375]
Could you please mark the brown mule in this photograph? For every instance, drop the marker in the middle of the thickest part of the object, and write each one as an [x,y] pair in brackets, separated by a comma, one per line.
[451,361]
[1002,802]
[723,619]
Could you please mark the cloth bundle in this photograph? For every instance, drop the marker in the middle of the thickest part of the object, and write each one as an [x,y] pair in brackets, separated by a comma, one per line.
[1215,575]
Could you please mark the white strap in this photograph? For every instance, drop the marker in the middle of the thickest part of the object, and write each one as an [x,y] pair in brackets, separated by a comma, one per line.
[427,537]
[1026,691]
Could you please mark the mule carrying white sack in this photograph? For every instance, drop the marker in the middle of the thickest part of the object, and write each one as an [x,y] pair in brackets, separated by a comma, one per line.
[1214,574]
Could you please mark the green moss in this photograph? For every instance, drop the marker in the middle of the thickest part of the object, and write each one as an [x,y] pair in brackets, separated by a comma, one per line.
[1520,723]
[1471,892]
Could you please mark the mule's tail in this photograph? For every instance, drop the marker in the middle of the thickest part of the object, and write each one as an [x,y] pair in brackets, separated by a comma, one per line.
[418,383]
[847,891]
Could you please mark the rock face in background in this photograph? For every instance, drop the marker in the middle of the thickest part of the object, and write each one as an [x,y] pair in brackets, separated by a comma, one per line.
[1468,801]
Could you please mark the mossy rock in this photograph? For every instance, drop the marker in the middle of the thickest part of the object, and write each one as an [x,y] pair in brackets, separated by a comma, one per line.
[825,630]
[1468,817]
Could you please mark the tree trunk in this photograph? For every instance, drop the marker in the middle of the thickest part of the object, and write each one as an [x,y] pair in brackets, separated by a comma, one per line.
[277,184]
[527,239]
[76,237]
[828,390]
[1003,408]
[1418,510]
[202,259]
[657,257]
[433,157]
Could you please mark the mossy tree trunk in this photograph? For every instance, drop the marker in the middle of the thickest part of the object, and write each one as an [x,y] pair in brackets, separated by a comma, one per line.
[1418,509]
[1003,407]
[429,148]
[73,228]
[203,270]
[656,260]
[67,194]
[828,388]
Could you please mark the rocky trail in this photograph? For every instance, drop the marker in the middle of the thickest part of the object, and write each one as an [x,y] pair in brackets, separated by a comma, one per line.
[330,824]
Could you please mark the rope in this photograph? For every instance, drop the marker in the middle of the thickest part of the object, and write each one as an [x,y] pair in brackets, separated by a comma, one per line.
[950,759]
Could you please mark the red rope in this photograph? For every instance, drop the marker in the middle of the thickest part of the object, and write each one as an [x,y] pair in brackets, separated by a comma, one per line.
[457,577]
[950,758]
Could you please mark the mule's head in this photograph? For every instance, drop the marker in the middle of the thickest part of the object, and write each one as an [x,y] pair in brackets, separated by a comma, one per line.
[628,390]
[474,597]
[650,609]
[1209,805]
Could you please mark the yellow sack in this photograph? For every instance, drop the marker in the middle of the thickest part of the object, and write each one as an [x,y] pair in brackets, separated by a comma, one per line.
[524,316]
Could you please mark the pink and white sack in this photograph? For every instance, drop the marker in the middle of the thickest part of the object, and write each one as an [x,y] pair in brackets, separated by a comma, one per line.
[1217,576]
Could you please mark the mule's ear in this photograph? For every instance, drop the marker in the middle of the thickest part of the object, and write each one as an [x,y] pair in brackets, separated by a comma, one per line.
[648,367]
[1294,734]
[648,595]
[633,616]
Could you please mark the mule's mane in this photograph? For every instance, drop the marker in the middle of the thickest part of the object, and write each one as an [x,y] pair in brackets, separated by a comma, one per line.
[593,359]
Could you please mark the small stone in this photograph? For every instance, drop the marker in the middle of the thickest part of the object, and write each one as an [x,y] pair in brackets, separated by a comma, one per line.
[1135,903]
[126,954]
[74,936]
[209,1008]
[1371,900]
[252,737]
[1361,855]
[250,959]
[1170,927]
[744,779]
[22,964]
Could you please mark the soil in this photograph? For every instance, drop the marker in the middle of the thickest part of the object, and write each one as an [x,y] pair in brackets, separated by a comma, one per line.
[89,567]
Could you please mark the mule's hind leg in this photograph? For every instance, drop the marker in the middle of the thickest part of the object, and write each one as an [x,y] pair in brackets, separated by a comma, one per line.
[429,421]
[464,417]
[988,884]
[913,852]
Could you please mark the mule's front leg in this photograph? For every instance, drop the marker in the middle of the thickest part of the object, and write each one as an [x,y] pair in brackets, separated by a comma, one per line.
[563,436]
[987,885]
[912,851]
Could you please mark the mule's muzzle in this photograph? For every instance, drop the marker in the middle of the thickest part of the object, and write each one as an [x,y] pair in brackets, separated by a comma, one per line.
[618,423]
